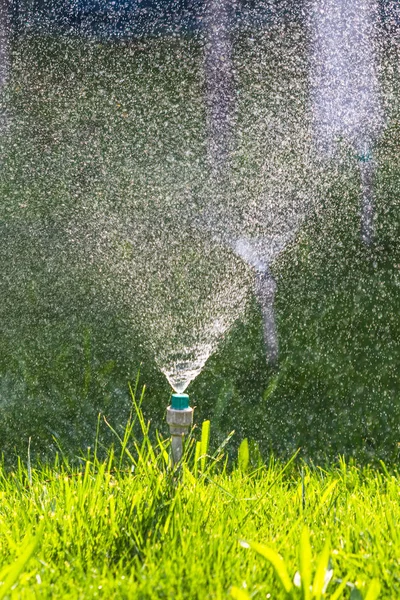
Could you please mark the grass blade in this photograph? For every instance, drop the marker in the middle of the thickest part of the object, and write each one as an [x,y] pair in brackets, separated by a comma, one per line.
[276,561]
[338,594]
[11,572]
[205,439]
[320,573]
[243,455]
[239,593]
[305,563]
[373,591]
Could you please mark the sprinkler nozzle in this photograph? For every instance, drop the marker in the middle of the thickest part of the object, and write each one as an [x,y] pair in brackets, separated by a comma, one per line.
[179,419]
[179,401]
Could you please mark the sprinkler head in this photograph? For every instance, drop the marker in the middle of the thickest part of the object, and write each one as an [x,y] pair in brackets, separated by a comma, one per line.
[180,420]
[179,401]
[179,415]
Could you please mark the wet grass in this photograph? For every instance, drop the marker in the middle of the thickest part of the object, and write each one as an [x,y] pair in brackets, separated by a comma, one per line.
[130,526]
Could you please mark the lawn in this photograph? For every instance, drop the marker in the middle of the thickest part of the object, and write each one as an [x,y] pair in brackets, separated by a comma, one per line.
[133,527]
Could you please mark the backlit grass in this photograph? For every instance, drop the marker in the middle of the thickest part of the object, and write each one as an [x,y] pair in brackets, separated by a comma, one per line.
[131,527]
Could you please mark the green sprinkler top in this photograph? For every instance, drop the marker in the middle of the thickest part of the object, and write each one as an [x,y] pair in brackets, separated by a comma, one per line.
[179,401]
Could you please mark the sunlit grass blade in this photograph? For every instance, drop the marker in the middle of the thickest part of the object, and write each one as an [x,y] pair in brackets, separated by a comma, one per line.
[243,455]
[161,446]
[374,590]
[276,561]
[327,494]
[321,573]
[338,593]
[205,439]
[305,563]
[223,444]
[239,594]
[197,455]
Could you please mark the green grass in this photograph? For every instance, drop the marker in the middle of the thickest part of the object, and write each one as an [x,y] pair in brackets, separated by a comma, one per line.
[130,526]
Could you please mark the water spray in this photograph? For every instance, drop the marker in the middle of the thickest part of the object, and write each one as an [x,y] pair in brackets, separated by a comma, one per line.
[4,51]
[220,85]
[221,117]
[258,253]
[345,86]
[265,289]
[367,168]
[180,420]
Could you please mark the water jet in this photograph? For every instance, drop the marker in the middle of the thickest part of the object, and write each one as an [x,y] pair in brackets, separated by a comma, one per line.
[346,102]
[278,206]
